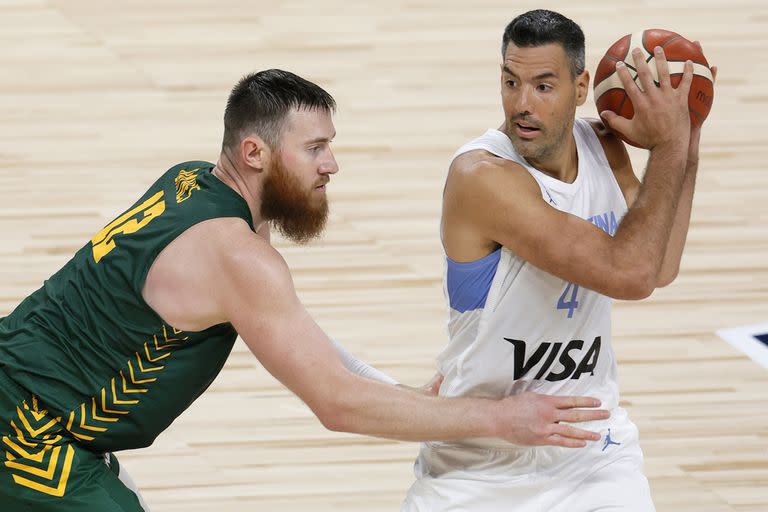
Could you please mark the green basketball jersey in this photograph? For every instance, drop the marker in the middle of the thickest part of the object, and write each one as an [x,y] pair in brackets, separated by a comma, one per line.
[87,346]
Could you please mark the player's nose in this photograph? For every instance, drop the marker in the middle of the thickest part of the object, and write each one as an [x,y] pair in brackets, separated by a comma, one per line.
[329,166]
[523,100]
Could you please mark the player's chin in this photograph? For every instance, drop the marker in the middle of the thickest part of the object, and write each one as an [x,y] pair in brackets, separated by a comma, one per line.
[525,147]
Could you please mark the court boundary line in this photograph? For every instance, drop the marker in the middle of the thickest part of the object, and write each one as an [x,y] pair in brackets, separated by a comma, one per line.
[745,339]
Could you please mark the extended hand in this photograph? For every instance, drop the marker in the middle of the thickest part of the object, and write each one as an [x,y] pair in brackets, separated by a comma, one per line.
[534,419]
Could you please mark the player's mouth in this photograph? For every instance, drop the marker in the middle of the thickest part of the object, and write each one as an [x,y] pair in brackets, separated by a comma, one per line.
[321,186]
[526,131]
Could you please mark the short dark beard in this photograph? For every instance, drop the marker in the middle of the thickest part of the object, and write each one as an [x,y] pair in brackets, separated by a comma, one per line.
[549,147]
[289,208]
[540,152]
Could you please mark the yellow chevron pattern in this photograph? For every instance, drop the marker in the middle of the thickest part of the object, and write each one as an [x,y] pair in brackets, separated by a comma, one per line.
[100,412]
[55,475]
[20,435]
[156,358]
[118,401]
[37,454]
[95,413]
[34,454]
[104,402]
[148,368]
[18,450]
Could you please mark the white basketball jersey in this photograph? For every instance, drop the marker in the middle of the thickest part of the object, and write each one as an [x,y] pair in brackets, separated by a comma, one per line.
[534,331]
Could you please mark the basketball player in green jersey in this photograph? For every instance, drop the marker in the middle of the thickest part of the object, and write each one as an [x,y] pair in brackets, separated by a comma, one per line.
[114,346]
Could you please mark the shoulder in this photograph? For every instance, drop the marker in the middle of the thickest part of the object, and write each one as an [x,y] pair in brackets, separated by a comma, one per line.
[254,287]
[242,252]
[247,276]
[485,198]
[481,191]
[211,269]
[478,161]
[226,249]
[478,169]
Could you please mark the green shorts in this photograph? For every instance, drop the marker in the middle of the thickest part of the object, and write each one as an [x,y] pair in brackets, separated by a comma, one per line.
[43,469]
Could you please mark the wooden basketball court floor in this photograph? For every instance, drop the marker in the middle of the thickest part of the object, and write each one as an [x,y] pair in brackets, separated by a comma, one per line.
[98,98]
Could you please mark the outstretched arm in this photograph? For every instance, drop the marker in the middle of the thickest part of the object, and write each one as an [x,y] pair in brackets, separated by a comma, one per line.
[256,294]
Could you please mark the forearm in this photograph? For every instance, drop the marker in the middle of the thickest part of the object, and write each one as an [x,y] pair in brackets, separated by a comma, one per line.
[674,253]
[376,409]
[643,234]
[311,366]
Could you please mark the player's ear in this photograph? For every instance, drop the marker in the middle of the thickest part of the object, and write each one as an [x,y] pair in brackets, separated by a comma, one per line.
[582,87]
[254,152]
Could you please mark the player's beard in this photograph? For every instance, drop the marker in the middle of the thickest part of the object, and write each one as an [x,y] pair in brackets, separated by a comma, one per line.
[290,208]
[549,141]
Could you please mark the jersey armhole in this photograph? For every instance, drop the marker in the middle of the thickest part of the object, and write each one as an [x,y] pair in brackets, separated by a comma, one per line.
[598,149]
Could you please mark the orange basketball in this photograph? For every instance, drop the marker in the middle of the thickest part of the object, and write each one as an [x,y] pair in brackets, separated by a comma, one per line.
[610,94]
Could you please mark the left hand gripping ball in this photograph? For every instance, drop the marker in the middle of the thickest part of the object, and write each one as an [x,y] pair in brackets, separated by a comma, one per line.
[610,94]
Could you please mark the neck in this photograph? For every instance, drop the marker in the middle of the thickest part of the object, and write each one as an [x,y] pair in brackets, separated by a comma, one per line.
[562,165]
[228,172]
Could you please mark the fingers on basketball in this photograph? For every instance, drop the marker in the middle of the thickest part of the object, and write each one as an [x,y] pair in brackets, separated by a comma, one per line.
[611,94]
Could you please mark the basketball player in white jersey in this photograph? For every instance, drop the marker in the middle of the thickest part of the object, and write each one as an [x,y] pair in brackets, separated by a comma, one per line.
[544,222]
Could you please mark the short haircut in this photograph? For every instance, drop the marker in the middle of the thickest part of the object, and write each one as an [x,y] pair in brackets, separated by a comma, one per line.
[540,27]
[261,102]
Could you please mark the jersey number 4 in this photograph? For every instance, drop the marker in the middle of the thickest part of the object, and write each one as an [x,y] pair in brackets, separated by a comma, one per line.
[571,303]
[129,222]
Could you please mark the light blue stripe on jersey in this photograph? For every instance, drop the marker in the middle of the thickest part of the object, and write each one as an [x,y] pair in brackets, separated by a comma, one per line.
[469,282]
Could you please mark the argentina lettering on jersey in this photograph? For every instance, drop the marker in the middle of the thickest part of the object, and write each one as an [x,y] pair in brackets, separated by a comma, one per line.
[605,221]
[518,328]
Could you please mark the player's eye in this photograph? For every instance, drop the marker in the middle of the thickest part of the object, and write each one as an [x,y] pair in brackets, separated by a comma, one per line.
[510,83]
[544,87]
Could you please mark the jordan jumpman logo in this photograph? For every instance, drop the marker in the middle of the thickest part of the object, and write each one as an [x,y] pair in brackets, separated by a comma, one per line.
[552,201]
[609,441]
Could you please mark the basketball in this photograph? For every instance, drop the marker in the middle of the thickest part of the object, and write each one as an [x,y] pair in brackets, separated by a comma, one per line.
[610,94]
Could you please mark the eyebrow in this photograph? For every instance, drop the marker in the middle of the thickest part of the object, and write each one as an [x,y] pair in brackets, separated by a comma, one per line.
[321,139]
[542,76]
